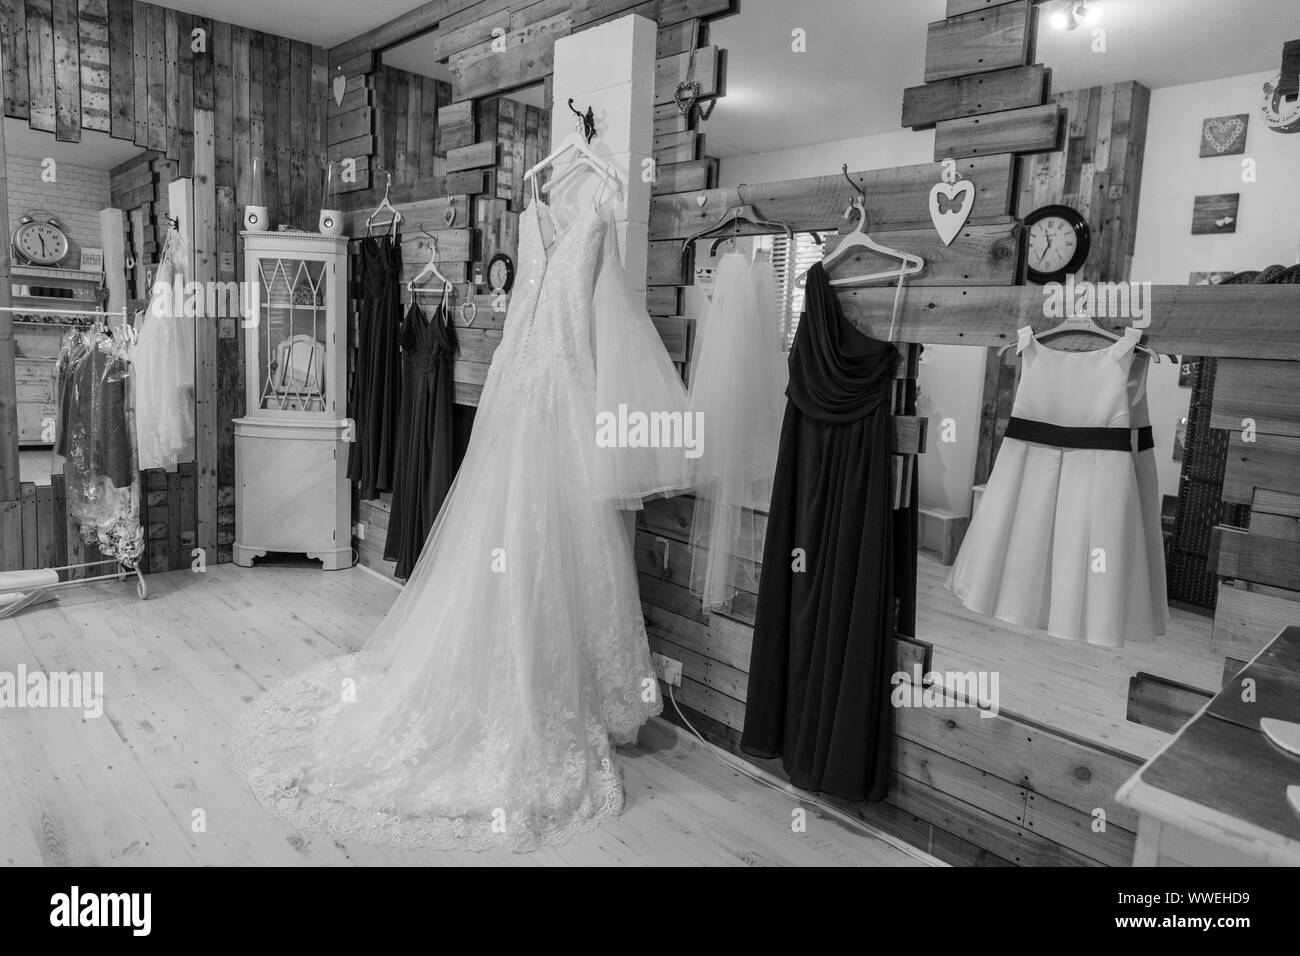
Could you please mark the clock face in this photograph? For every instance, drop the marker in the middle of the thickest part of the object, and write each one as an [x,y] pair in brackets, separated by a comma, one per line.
[500,273]
[1052,244]
[41,242]
[1059,240]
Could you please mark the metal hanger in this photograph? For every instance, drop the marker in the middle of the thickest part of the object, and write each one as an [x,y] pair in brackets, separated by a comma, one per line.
[733,217]
[385,204]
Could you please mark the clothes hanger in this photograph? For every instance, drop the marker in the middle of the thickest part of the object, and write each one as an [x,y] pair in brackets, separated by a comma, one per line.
[859,239]
[385,204]
[578,141]
[733,216]
[1083,324]
[430,268]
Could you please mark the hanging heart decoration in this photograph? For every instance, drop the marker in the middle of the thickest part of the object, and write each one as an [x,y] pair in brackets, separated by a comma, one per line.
[950,206]
[685,95]
[707,111]
[701,199]
[1221,134]
[950,203]
[449,215]
[340,84]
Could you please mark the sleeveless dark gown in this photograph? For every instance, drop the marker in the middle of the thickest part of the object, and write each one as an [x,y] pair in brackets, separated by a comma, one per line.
[378,382]
[822,658]
[426,436]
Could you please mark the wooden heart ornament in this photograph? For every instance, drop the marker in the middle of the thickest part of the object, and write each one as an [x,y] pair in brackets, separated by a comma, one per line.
[950,206]
[449,215]
[340,84]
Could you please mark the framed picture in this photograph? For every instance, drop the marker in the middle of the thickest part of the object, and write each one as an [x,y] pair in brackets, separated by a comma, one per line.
[1208,278]
[1180,439]
[92,260]
[1224,135]
[1187,372]
[1212,215]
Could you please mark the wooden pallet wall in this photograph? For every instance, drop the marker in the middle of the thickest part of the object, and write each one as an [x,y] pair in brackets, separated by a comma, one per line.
[1097,171]
[130,69]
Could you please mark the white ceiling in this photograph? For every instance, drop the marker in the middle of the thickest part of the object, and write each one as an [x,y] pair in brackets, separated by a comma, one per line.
[326,23]
[862,54]
[95,151]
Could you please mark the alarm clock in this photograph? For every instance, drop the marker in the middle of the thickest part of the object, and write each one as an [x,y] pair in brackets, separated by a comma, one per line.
[39,239]
[501,273]
[1059,242]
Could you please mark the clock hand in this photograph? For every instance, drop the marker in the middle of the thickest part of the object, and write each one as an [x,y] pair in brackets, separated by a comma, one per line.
[43,250]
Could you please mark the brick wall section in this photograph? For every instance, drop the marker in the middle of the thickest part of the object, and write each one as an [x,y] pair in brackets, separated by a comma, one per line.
[75,199]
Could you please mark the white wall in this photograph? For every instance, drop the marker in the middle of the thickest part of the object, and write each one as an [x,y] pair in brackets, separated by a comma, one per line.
[75,200]
[1268,227]
[951,378]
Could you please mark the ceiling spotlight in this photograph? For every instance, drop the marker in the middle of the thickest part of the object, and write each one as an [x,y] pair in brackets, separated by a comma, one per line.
[1070,14]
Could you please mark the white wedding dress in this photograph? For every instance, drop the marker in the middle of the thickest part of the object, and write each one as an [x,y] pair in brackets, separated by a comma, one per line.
[484,709]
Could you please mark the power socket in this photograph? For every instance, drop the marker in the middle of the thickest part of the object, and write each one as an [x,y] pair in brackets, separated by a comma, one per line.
[359,531]
[666,669]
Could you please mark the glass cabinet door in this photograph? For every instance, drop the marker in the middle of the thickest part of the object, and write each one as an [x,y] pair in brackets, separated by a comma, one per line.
[292,335]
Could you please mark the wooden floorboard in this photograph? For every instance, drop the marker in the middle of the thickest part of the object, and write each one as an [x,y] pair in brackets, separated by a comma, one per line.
[148,784]
[1069,686]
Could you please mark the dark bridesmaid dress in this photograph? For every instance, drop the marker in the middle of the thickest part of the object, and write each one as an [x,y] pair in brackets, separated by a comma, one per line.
[377,386]
[822,658]
[426,436]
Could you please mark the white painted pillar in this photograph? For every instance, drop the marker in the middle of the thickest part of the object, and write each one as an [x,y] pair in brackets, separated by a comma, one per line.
[610,68]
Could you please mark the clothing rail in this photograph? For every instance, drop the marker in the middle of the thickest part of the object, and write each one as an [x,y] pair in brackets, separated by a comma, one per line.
[28,311]
[40,592]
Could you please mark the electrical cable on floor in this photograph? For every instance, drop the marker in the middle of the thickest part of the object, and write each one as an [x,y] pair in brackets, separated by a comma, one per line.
[759,776]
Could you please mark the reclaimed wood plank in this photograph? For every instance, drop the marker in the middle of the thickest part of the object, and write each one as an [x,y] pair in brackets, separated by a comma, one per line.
[974,95]
[979,42]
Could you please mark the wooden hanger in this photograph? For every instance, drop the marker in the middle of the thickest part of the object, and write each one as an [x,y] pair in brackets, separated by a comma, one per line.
[742,212]
[1082,324]
[385,204]
[858,239]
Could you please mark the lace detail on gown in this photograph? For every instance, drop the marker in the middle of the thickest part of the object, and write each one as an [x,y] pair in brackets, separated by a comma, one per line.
[483,709]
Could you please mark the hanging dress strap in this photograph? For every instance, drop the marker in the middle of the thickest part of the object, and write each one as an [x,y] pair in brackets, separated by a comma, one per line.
[1127,343]
[1024,337]
[533,179]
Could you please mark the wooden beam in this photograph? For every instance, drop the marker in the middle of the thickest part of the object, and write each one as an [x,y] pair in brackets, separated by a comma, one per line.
[205,344]
[1034,129]
[1263,394]
[1238,554]
[979,42]
[405,27]
[974,95]
[895,196]
[1186,320]
[9,470]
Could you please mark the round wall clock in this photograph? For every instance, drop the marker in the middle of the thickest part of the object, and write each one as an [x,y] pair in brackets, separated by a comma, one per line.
[1059,241]
[501,273]
[39,239]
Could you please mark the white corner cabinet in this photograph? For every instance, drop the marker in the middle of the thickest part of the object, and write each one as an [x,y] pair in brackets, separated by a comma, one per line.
[291,446]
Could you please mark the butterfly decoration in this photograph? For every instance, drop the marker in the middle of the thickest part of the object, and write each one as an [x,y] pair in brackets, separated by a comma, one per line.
[951,204]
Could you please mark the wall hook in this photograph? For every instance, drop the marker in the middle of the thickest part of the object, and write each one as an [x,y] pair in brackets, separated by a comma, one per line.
[587,121]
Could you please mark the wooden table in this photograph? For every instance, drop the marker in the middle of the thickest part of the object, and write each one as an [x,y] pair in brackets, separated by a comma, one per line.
[1215,795]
